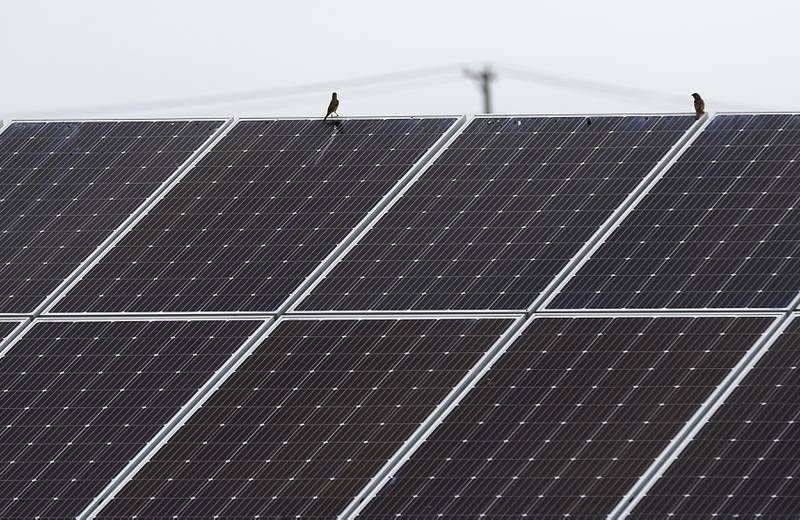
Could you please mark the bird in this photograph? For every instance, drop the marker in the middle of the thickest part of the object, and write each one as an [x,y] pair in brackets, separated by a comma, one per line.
[699,106]
[332,106]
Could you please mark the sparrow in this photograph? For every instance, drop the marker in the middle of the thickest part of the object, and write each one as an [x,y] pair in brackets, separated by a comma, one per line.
[699,106]
[332,106]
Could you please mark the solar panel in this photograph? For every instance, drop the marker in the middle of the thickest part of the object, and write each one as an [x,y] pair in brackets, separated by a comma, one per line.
[79,400]
[720,230]
[745,462]
[66,186]
[567,419]
[498,214]
[307,419]
[256,216]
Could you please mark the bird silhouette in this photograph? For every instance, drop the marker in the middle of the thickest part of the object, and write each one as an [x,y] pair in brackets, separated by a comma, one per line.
[332,106]
[699,106]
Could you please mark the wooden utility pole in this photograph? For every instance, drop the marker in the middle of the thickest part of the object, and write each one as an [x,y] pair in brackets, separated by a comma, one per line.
[484,78]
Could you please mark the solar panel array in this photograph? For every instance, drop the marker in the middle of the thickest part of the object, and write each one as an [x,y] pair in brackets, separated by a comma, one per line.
[568,418]
[251,221]
[744,462]
[66,186]
[79,400]
[718,231]
[307,420]
[522,316]
[498,214]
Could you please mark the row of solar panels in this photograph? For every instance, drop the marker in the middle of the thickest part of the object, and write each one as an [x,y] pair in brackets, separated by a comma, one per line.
[492,219]
[312,417]
[408,417]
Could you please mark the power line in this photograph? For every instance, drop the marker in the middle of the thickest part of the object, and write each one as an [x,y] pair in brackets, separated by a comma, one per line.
[585,85]
[362,92]
[387,82]
[605,88]
[249,95]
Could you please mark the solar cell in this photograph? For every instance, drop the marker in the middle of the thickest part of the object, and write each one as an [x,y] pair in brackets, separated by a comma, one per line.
[307,419]
[66,186]
[745,462]
[567,419]
[256,216]
[719,230]
[498,214]
[79,400]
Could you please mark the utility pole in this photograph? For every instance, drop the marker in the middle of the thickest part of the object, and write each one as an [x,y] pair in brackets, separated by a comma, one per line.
[484,78]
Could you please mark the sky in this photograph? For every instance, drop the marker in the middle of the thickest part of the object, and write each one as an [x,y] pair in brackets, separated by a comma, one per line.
[200,58]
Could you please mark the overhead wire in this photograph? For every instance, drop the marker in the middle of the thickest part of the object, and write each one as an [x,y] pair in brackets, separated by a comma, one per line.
[373,85]
[622,92]
[361,91]
[248,95]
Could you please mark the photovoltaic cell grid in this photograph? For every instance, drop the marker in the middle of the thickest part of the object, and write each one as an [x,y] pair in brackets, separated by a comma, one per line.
[252,220]
[498,214]
[65,186]
[307,420]
[79,400]
[720,230]
[745,462]
[568,419]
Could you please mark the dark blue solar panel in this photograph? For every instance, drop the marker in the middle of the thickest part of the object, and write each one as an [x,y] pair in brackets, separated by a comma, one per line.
[66,186]
[256,216]
[79,400]
[307,419]
[745,462]
[498,214]
[568,419]
[720,230]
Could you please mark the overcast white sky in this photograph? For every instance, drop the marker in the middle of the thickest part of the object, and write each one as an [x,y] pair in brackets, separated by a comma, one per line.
[62,57]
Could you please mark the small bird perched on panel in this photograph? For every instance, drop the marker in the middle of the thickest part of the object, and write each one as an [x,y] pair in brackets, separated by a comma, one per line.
[332,106]
[699,106]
